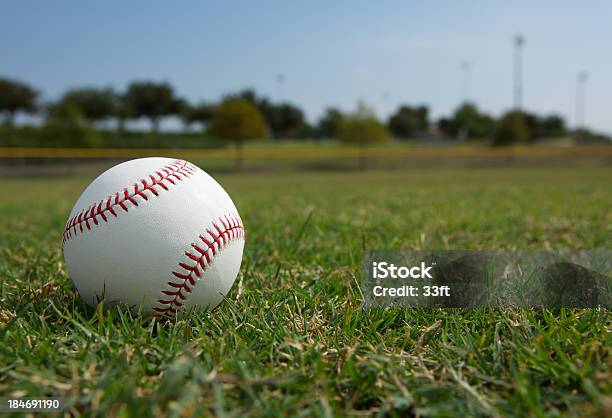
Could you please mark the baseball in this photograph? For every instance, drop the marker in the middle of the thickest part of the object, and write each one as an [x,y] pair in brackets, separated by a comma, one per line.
[158,234]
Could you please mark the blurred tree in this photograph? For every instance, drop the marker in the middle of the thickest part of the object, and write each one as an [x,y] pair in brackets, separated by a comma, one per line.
[237,120]
[362,128]
[407,121]
[249,95]
[468,122]
[552,126]
[549,126]
[308,131]
[511,129]
[201,113]
[585,136]
[263,105]
[284,120]
[330,123]
[94,104]
[16,96]
[151,100]
[184,109]
[123,112]
[66,126]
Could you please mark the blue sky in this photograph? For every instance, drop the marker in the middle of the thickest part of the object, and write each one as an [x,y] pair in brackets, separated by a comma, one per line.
[331,53]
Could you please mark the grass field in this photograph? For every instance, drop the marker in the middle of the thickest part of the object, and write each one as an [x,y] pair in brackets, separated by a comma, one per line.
[292,338]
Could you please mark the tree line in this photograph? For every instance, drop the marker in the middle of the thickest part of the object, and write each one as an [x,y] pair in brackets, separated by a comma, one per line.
[155,101]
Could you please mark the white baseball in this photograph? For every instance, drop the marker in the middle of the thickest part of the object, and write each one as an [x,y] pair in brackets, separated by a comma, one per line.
[158,234]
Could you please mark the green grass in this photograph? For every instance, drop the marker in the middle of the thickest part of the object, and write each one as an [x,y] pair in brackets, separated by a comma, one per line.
[292,338]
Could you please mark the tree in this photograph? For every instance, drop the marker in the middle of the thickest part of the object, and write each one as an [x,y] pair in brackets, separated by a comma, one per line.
[94,104]
[67,126]
[184,113]
[263,105]
[308,131]
[16,96]
[549,126]
[284,120]
[408,120]
[468,122]
[201,113]
[237,120]
[123,112]
[249,95]
[511,129]
[151,100]
[552,126]
[330,123]
[362,128]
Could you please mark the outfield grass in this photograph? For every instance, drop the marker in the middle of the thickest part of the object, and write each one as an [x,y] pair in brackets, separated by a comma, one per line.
[292,338]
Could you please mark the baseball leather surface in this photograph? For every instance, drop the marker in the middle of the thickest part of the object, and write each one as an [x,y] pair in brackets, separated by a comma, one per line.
[158,234]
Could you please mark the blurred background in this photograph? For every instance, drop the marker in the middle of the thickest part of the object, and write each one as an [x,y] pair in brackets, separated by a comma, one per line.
[314,85]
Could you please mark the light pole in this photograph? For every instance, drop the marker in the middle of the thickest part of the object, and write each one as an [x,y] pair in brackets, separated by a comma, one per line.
[466,66]
[519,42]
[581,81]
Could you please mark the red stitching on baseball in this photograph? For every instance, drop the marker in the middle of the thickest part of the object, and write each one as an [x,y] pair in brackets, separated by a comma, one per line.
[197,263]
[178,169]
